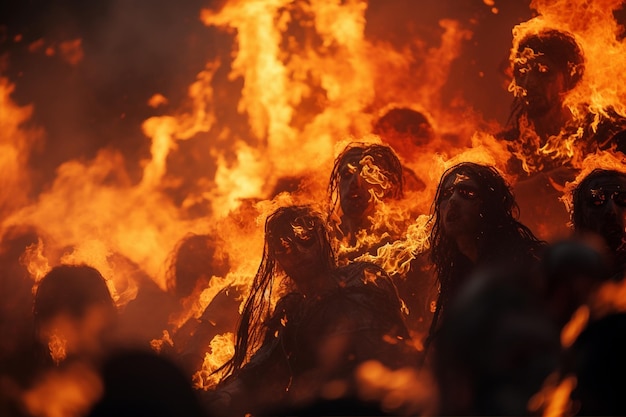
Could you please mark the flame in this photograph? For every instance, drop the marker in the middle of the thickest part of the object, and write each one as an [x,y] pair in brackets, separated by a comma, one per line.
[67,392]
[15,145]
[35,261]
[221,349]
[610,298]
[402,391]
[600,90]
[157,344]
[57,345]
[575,326]
[554,398]
[311,80]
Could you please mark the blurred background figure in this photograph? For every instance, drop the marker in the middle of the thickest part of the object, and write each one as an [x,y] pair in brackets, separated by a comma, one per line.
[474,226]
[407,131]
[327,320]
[198,261]
[75,322]
[495,348]
[592,281]
[74,313]
[17,347]
[139,383]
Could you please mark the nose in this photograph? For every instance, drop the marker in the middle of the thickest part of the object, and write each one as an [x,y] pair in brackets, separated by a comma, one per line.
[613,210]
[355,182]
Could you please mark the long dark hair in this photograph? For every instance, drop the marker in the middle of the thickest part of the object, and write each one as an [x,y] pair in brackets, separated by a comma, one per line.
[257,309]
[579,221]
[385,158]
[562,49]
[500,231]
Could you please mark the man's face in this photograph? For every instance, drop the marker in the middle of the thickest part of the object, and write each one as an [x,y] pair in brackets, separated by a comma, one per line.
[295,247]
[361,184]
[460,206]
[541,83]
[604,209]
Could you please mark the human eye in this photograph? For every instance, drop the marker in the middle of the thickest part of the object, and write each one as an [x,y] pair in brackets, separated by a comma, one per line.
[597,198]
[447,193]
[468,193]
[619,197]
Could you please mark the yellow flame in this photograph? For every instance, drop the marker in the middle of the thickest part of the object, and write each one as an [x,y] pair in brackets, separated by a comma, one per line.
[221,349]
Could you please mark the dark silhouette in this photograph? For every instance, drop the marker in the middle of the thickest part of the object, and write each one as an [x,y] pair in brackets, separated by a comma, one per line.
[195,262]
[73,306]
[571,270]
[145,317]
[596,357]
[599,208]
[474,224]
[495,348]
[328,320]
[140,383]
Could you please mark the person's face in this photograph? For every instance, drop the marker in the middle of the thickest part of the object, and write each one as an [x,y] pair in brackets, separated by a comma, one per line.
[460,206]
[296,248]
[604,209]
[361,184]
[542,84]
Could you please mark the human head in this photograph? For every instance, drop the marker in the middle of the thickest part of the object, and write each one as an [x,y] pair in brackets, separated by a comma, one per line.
[73,303]
[599,206]
[195,260]
[363,169]
[471,189]
[571,270]
[296,238]
[546,65]
[403,127]
[290,232]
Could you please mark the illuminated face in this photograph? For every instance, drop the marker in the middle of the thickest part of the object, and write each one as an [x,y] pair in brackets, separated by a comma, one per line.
[604,209]
[542,84]
[295,247]
[460,206]
[361,184]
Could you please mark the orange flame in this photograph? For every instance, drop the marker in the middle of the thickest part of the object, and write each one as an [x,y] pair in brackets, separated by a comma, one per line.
[221,349]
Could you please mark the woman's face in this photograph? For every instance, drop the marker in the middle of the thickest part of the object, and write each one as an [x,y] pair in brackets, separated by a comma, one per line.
[604,209]
[361,183]
[460,206]
[295,247]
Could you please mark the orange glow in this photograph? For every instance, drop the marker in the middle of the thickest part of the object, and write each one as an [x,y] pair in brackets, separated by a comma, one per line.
[575,326]
[311,77]
[69,392]
[72,51]
[221,349]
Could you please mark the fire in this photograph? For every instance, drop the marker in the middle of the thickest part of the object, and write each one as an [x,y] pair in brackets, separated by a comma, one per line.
[68,392]
[310,76]
[35,261]
[58,347]
[221,350]
[575,326]
[600,93]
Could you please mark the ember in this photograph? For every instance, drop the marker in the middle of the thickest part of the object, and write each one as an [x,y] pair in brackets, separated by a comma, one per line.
[313,206]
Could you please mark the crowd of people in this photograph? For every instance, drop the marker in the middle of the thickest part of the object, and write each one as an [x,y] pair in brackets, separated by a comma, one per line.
[492,316]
